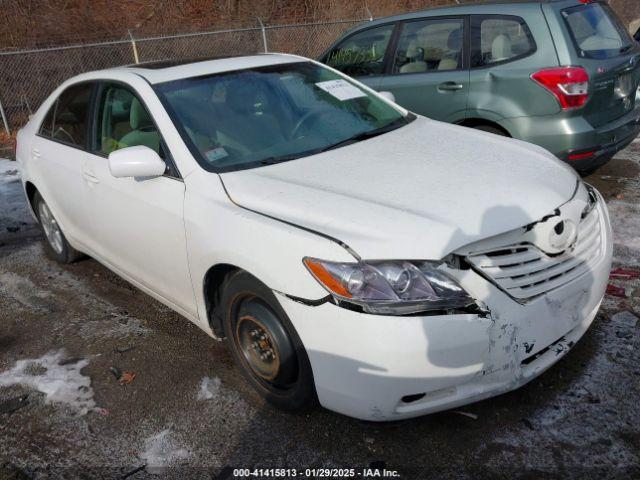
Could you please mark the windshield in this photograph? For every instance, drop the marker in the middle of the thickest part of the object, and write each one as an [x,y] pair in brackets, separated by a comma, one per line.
[249,118]
[596,31]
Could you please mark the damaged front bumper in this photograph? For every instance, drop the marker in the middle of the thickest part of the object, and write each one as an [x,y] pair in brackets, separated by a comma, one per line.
[384,368]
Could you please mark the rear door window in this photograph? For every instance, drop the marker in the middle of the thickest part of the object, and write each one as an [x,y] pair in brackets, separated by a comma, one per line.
[363,53]
[499,39]
[430,45]
[596,31]
[71,116]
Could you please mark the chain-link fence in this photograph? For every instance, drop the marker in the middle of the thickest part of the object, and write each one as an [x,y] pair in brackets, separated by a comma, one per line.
[27,77]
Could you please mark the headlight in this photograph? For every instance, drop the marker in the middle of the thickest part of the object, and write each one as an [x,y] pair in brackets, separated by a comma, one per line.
[390,287]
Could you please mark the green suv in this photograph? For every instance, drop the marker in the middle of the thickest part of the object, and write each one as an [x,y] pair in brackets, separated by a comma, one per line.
[562,74]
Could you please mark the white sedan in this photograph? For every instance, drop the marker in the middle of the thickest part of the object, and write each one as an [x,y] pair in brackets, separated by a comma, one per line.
[351,252]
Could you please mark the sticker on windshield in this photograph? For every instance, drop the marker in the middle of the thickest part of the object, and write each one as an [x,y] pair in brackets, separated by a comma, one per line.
[341,89]
[215,154]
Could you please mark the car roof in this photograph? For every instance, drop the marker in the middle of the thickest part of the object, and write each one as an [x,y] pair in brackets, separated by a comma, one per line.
[169,70]
[462,8]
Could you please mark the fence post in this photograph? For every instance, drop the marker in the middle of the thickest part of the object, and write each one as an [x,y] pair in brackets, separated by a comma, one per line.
[264,35]
[368,12]
[4,119]
[134,47]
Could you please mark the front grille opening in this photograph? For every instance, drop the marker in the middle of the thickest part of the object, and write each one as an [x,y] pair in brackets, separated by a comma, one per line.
[506,251]
[413,397]
[524,271]
[534,357]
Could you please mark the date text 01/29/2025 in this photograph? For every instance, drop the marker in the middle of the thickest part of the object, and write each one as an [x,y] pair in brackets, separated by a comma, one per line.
[315,473]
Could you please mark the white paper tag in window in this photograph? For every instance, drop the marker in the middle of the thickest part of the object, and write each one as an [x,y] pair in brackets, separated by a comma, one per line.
[215,154]
[341,89]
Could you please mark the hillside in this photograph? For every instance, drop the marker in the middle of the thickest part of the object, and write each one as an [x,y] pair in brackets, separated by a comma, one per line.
[36,23]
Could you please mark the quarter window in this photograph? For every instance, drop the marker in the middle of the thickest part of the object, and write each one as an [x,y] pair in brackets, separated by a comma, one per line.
[67,119]
[499,39]
[430,45]
[46,129]
[362,54]
[123,121]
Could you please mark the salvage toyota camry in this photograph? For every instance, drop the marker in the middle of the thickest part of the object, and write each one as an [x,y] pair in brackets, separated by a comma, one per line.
[349,251]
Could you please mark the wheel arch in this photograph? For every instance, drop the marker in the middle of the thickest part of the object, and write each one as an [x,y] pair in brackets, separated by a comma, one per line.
[31,190]
[212,285]
[476,122]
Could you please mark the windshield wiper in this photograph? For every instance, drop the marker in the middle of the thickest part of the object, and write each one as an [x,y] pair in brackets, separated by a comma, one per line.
[281,158]
[358,137]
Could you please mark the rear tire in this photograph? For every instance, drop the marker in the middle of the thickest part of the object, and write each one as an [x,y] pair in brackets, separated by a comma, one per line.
[490,129]
[264,344]
[56,245]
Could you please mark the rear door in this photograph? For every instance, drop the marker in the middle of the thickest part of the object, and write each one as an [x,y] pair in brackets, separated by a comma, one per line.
[363,54]
[601,44]
[58,151]
[504,54]
[429,69]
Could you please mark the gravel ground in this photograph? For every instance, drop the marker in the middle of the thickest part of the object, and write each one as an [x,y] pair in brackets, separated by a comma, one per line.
[67,332]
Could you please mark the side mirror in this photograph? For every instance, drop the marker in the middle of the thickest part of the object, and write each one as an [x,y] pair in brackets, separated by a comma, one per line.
[389,96]
[139,161]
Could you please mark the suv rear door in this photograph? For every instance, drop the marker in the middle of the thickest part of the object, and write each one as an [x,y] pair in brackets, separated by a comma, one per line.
[429,70]
[597,41]
[506,48]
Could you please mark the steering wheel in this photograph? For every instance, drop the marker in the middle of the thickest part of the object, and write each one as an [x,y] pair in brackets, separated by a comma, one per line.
[313,114]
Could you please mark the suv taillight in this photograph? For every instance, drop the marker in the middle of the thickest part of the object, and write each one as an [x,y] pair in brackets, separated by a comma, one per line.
[570,85]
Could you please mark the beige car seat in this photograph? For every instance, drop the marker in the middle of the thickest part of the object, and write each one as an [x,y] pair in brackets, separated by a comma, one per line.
[501,48]
[451,59]
[416,62]
[143,131]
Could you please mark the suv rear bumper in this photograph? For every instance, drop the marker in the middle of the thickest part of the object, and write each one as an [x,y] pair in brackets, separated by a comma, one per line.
[567,136]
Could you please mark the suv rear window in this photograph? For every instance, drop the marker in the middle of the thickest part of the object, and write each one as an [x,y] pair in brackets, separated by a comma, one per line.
[499,39]
[596,31]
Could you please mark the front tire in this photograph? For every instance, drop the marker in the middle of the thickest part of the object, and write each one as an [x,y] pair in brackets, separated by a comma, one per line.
[56,245]
[264,344]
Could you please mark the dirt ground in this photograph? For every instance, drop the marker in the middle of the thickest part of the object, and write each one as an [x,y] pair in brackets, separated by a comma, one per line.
[67,332]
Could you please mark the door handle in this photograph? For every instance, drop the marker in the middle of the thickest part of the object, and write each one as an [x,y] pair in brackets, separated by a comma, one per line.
[450,87]
[35,153]
[90,177]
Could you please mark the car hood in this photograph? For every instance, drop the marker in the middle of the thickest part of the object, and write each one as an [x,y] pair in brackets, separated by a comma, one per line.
[418,192]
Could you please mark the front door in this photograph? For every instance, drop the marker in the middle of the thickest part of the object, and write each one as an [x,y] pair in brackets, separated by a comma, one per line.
[137,223]
[362,55]
[428,73]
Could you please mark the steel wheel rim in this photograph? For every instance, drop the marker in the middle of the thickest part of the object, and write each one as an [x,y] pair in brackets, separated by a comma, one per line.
[51,228]
[258,347]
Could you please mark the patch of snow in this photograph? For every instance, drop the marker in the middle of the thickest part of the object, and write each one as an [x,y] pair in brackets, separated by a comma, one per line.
[625,318]
[15,211]
[161,451]
[115,325]
[23,291]
[209,388]
[63,384]
[625,220]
